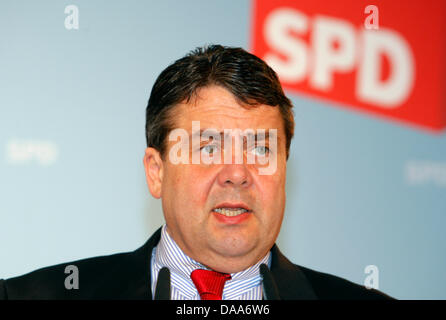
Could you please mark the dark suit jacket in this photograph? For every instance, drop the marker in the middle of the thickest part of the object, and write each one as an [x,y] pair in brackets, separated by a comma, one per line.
[127,276]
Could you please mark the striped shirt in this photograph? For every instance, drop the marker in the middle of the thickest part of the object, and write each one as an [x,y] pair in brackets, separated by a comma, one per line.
[244,285]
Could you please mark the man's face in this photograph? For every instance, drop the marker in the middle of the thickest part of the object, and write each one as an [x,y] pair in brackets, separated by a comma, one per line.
[190,192]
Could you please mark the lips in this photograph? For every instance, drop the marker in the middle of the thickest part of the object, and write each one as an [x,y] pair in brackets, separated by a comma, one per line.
[231,212]
[227,205]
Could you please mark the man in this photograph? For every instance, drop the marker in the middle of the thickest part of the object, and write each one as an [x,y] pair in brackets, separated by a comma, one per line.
[218,129]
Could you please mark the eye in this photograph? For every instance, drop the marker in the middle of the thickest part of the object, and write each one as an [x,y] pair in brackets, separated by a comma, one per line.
[262,150]
[209,149]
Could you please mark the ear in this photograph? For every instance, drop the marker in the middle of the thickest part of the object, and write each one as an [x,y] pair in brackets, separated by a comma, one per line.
[153,165]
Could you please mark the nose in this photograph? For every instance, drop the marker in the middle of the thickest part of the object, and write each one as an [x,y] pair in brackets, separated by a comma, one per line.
[236,175]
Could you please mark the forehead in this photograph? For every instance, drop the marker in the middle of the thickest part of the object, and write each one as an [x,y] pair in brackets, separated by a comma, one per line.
[216,107]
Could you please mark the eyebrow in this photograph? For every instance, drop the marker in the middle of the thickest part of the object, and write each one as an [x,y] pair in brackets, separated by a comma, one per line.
[221,134]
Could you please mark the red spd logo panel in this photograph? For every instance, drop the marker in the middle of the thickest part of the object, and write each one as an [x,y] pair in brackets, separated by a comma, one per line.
[385,58]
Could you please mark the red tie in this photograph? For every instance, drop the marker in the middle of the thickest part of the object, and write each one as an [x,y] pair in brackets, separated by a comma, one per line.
[209,283]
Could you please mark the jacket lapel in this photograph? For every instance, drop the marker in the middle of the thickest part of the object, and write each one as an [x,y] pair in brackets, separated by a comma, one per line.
[139,274]
[290,280]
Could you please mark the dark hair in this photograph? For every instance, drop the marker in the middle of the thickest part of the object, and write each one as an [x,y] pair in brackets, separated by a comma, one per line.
[248,77]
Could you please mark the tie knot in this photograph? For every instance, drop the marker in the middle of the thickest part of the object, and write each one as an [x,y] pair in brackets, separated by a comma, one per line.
[209,283]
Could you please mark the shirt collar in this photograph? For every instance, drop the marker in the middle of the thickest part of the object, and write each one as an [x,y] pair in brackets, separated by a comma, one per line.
[168,254]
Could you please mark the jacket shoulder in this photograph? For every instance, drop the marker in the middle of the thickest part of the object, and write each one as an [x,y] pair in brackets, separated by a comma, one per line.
[118,276]
[295,282]
[50,282]
[3,295]
[328,286]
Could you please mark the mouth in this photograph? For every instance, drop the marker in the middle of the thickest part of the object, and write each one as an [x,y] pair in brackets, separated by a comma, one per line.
[232,210]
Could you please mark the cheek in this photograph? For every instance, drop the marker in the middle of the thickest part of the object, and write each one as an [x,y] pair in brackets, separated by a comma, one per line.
[190,185]
[273,196]
[200,184]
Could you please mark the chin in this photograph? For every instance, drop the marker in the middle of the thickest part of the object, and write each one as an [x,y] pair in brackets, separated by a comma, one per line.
[236,247]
